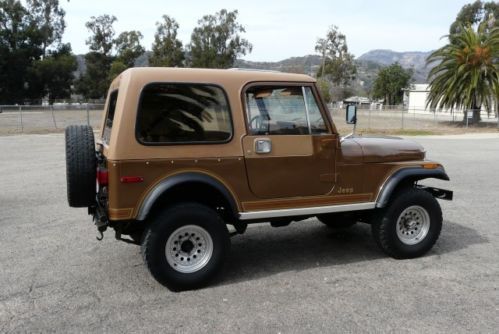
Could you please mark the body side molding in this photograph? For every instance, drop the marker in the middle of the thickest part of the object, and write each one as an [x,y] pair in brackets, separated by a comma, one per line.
[312,211]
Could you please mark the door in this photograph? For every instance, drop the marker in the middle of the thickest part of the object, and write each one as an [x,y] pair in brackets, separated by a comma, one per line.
[289,149]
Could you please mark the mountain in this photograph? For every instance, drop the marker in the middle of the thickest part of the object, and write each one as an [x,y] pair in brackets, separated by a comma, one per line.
[368,65]
[307,64]
[388,57]
[413,59]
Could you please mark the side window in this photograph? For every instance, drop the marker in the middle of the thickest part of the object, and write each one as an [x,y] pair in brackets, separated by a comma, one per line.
[317,124]
[108,125]
[283,110]
[183,113]
[276,110]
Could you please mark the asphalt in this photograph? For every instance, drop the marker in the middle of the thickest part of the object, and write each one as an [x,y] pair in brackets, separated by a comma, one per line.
[56,277]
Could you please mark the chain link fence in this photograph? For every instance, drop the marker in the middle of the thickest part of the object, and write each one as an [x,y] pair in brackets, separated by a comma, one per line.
[396,118]
[50,118]
[55,118]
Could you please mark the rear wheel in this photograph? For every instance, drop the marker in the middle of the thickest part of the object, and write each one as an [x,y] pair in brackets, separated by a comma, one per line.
[409,226]
[184,247]
[81,165]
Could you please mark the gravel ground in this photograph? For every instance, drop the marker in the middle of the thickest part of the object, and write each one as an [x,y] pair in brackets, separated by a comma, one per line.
[305,278]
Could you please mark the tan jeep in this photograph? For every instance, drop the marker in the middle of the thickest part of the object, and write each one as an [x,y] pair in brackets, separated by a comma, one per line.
[183,153]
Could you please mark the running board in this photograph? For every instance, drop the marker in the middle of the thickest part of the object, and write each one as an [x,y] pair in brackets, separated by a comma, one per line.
[305,211]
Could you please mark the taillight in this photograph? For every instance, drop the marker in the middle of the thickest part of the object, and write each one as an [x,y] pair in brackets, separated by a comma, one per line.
[102,176]
[132,179]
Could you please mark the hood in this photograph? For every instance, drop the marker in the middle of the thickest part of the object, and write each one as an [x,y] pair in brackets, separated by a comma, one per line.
[387,149]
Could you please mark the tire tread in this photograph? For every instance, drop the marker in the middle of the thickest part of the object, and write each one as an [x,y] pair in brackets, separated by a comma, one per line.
[382,224]
[80,165]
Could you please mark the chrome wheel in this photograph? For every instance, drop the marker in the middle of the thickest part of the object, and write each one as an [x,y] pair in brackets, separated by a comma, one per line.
[189,248]
[413,225]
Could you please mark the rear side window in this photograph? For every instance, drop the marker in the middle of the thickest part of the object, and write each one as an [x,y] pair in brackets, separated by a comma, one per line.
[113,97]
[183,113]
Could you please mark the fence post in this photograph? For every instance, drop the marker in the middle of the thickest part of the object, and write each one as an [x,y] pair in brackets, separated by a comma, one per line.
[21,115]
[53,116]
[402,118]
[369,119]
[88,116]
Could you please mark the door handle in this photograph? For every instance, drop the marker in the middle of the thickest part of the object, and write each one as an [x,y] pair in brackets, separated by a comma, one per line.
[263,145]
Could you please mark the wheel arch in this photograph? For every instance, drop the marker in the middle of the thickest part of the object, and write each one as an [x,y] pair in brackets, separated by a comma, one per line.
[189,186]
[406,176]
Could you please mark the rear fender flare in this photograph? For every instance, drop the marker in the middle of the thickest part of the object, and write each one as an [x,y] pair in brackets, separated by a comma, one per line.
[189,177]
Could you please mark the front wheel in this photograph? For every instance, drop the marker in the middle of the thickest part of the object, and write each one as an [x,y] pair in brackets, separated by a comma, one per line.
[409,226]
[185,246]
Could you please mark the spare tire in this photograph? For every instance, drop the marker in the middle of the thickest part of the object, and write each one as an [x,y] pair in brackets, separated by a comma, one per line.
[81,165]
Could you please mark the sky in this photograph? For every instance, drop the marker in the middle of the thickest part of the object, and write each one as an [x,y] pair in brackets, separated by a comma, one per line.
[281,29]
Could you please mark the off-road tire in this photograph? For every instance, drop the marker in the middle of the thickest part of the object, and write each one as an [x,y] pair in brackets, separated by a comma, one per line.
[338,220]
[386,222]
[80,165]
[164,225]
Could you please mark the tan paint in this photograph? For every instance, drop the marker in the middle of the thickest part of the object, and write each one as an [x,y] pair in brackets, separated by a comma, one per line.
[293,168]
[300,171]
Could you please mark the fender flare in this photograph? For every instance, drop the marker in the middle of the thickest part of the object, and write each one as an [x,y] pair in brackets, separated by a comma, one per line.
[178,179]
[410,173]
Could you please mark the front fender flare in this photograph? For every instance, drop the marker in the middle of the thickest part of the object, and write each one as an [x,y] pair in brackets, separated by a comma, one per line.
[410,173]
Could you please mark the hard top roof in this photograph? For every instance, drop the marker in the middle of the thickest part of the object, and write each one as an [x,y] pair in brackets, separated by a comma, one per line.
[211,75]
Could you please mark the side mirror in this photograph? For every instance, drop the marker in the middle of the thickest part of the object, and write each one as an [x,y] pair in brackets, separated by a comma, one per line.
[351,114]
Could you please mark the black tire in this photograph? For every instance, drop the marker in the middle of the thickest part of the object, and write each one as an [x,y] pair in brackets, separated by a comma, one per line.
[81,165]
[165,226]
[340,220]
[414,208]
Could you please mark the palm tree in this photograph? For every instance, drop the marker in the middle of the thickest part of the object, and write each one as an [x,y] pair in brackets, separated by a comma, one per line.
[467,71]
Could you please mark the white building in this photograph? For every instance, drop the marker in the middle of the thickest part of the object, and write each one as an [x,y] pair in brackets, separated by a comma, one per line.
[417,97]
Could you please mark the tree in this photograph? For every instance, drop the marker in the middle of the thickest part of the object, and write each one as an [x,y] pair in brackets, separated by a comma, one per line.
[102,38]
[338,66]
[216,42]
[16,52]
[167,50]
[94,83]
[116,68]
[325,89]
[467,71]
[48,19]
[27,35]
[390,82]
[128,47]
[476,14]
[53,75]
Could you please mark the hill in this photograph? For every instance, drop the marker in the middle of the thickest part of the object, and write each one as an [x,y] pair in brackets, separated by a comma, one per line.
[368,65]
[413,59]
